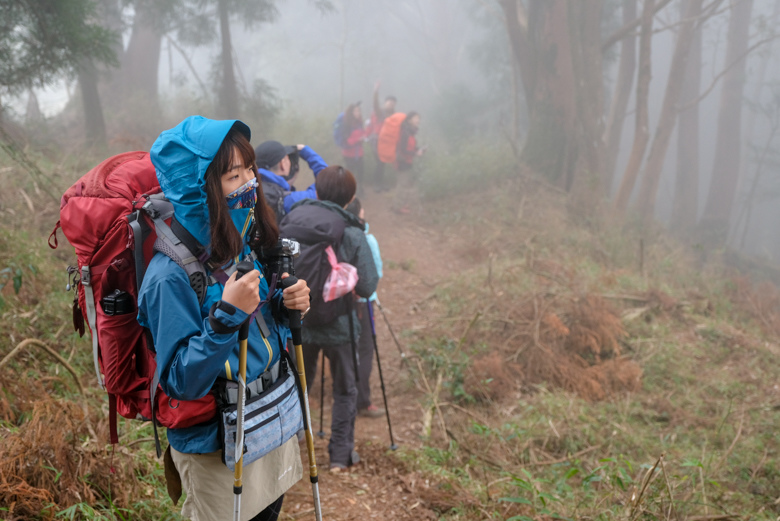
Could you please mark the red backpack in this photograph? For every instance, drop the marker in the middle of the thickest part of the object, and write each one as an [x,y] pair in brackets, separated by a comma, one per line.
[116,218]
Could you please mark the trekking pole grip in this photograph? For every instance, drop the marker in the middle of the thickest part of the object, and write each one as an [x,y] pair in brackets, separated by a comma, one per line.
[294,314]
[242,268]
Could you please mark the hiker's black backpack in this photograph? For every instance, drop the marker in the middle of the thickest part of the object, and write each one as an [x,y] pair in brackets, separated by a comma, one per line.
[315,228]
[274,196]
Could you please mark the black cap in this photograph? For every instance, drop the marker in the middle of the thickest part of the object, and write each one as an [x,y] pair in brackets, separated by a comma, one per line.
[268,154]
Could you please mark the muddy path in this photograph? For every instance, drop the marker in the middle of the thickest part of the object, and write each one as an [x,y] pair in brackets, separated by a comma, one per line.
[416,256]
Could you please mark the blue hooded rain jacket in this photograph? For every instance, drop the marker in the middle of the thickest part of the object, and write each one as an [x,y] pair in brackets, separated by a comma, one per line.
[190,355]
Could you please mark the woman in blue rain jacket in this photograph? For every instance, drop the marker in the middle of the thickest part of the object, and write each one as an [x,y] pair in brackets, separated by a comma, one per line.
[206,170]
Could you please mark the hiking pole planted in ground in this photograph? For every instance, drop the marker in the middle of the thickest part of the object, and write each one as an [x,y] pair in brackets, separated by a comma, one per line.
[295,329]
[321,433]
[393,446]
[395,339]
[242,268]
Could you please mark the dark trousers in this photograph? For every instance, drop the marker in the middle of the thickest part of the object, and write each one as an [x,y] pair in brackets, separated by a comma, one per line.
[365,350]
[342,370]
[271,512]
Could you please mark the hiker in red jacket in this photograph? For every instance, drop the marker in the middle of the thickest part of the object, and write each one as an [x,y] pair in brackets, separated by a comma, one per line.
[377,119]
[354,134]
[406,151]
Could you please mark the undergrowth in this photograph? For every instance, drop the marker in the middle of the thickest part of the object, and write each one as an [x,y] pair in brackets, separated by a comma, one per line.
[573,372]
[594,379]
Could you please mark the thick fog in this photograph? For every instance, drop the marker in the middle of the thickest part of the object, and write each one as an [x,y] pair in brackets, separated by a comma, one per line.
[452,61]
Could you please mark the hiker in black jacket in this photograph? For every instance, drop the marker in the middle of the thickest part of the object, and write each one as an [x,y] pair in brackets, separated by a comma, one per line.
[333,327]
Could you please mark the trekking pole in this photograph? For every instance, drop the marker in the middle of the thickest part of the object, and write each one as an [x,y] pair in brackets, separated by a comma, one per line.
[242,268]
[393,446]
[295,329]
[350,307]
[392,333]
[321,433]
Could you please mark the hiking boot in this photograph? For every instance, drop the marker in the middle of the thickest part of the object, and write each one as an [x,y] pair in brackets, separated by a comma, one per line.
[372,411]
[354,459]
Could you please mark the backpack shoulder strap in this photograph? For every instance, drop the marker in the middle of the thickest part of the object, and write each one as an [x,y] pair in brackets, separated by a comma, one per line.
[173,241]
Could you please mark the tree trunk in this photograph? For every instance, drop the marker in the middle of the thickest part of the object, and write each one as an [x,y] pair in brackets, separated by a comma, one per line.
[666,123]
[141,60]
[725,173]
[228,93]
[685,206]
[584,18]
[756,181]
[551,144]
[617,109]
[750,128]
[94,124]
[641,131]
[32,113]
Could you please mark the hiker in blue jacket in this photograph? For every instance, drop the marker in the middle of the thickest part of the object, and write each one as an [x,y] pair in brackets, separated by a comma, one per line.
[206,170]
[278,171]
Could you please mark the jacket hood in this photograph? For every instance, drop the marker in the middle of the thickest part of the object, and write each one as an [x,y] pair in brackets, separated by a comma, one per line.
[181,156]
[350,219]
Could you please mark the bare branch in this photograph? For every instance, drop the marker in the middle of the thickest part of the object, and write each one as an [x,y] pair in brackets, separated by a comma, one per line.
[189,64]
[629,27]
[724,71]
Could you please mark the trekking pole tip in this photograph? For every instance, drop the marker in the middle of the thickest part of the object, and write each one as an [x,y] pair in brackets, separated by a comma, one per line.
[320,434]
[394,446]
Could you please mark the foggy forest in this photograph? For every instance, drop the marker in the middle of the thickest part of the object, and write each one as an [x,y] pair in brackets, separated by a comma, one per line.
[578,310]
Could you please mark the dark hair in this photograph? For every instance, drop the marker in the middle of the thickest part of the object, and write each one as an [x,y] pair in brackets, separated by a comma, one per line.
[226,241]
[410,115]
[335,184]
[350,121]
[354,207]
[391,98]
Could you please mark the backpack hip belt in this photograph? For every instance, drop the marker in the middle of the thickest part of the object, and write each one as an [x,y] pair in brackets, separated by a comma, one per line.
[227,390]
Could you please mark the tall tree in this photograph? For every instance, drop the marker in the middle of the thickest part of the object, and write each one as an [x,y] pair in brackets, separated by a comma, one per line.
[725,173]
[585,27]
[685,205]
[41,40]
[642,118]
[621,95]
[228,92]
[141,60]
[668,118]
[94,122]
[541,46]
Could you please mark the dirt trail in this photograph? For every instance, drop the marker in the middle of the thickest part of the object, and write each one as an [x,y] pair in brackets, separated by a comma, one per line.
[415,258]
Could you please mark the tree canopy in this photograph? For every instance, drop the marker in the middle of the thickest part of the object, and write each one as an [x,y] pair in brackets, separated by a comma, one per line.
[42,39]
